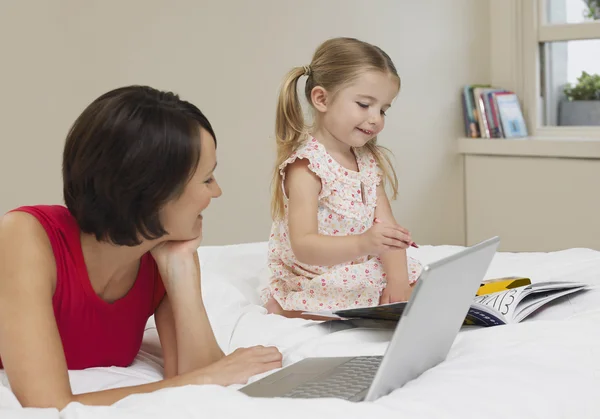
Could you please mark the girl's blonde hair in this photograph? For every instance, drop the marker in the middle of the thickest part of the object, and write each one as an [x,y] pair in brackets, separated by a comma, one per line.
[336,63]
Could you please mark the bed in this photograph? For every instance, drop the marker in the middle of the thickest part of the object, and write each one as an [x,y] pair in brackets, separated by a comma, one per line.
[546,367]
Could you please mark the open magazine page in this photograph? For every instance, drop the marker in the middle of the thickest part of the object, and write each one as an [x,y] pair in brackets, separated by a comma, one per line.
[536,299]
[514,305]
[495,309]
[382,312]
[509,306]
[391,311]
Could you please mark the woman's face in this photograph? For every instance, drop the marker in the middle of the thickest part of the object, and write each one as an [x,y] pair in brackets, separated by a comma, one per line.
[182,217]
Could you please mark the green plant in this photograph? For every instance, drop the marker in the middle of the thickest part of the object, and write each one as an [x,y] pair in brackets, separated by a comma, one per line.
[587,88]
[593,9]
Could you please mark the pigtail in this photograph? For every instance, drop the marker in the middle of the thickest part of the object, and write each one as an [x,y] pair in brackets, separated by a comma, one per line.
[383,160]
[289,131]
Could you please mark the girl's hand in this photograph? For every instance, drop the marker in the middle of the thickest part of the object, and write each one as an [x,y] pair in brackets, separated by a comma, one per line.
[238,367]
[383,237]
[395,291]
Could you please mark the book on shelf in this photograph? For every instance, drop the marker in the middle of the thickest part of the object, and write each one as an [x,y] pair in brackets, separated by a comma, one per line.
[497,302]
[491,112]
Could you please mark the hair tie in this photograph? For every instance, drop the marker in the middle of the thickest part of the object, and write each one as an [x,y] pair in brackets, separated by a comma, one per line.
[306,70]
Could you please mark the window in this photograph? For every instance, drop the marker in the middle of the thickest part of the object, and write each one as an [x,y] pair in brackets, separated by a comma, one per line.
[548,52]
[569,54]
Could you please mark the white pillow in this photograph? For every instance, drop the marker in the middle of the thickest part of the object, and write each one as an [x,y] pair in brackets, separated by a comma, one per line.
[242,265]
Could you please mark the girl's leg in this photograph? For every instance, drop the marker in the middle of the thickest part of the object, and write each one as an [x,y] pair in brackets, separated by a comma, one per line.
[273,307]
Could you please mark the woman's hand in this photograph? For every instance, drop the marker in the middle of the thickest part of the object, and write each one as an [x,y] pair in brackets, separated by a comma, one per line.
[237,367]
[175,248]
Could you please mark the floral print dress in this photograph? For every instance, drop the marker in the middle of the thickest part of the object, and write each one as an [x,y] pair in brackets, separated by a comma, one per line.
[346,206]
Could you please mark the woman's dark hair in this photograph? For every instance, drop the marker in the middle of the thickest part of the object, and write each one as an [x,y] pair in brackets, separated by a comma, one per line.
[129,152]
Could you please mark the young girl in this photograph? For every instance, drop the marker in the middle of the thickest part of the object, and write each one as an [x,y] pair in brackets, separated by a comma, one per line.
[334,242]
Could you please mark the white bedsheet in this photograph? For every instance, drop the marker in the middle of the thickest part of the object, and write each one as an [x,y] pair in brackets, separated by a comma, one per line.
[547,367]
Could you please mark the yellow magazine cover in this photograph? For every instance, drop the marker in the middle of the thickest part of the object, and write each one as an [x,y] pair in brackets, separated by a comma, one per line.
[502,284]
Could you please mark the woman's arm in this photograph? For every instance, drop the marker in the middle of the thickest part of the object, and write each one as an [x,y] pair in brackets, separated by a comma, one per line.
[394,261]
[165,325]
[185,333]
[30,345]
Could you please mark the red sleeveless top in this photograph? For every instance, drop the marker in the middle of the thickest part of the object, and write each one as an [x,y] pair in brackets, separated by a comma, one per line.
[94,333]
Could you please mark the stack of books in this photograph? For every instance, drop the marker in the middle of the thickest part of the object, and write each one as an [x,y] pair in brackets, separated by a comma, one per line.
[492,113]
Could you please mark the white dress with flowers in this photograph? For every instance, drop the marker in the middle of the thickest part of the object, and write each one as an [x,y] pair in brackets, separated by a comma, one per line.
[342,211]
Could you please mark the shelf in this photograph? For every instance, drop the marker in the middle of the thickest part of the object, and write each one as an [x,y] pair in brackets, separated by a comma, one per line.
[531,147]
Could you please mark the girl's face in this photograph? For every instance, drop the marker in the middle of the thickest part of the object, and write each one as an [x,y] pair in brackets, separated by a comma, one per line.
[182,217]
[356,114]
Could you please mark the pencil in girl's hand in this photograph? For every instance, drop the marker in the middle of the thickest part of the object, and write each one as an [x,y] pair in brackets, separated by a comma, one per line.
[413,244]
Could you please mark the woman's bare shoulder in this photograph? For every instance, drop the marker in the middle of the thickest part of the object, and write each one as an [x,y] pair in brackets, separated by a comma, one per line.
[23,242]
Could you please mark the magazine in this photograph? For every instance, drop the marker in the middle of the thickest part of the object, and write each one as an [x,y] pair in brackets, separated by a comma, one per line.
[511,305]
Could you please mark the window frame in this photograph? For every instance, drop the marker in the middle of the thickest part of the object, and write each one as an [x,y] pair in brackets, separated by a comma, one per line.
[516,31]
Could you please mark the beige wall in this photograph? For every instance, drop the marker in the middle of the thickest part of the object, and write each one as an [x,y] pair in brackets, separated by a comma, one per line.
[551,208]
[228,57]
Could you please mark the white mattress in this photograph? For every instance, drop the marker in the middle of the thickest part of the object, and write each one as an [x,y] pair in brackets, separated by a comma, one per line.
[547,367]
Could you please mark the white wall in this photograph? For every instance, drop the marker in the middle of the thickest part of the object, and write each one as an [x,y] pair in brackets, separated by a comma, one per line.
[228,57]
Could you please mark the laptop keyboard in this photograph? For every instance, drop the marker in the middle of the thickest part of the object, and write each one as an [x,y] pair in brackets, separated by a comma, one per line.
[347,380]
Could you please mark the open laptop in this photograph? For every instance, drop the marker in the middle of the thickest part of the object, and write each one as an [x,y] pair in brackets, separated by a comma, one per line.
[422,339]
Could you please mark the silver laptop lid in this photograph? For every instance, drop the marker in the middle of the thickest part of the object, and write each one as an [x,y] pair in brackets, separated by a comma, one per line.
[433,317]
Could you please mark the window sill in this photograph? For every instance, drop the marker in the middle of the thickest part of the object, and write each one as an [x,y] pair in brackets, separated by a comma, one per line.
[532,147]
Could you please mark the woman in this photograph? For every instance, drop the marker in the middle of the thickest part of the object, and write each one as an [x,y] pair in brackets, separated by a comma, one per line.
[77,284]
